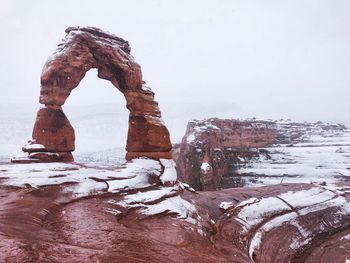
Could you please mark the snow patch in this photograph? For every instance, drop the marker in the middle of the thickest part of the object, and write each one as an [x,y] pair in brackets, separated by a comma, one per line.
[176,205]
[254,244]
[34,147]
[205,167]
[254,213]
[187,187]
[226,205]
[141,198]
[132,175]
[307,197]
[169,174]
[191,138]
[347,237]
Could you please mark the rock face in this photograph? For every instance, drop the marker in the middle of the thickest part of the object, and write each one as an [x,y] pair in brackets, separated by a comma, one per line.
[217,153]
[53,130]
[82,49]
[210,146]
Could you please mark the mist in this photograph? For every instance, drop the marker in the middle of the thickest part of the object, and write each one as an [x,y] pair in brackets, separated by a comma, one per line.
[233,59]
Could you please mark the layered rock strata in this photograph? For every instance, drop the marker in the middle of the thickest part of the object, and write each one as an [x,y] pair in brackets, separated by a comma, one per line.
[210,146]
[82,49]
[219,153]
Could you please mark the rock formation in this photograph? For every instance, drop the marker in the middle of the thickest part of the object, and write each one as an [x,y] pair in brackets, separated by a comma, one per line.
[82,49]
[210,146]
[219,153]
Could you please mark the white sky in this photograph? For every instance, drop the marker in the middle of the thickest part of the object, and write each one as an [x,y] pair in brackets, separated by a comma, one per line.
[263,58]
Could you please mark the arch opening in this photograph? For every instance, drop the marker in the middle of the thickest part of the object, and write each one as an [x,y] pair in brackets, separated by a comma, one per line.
[97,112]
[82,49]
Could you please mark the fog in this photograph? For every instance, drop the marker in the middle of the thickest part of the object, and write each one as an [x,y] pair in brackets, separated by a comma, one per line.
[266,59]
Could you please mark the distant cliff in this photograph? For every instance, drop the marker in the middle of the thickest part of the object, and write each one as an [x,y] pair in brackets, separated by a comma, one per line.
[213,151]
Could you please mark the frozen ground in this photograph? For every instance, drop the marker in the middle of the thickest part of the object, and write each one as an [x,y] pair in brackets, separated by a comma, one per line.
[316,154]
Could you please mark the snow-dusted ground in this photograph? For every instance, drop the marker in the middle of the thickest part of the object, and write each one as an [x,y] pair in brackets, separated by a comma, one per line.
[292,210]
[79,180]
[101,132]
[317,156]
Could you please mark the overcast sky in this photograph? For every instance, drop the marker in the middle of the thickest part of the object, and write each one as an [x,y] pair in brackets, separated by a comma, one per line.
[267,59]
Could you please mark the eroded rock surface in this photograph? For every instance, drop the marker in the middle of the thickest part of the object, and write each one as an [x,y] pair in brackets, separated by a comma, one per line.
[82,49]
[141,213]
[219,153]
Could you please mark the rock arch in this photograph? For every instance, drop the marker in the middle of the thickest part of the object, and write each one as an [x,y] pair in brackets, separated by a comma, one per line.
[82,49]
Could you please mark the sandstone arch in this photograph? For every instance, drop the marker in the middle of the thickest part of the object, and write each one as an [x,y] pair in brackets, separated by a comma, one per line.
[82,49]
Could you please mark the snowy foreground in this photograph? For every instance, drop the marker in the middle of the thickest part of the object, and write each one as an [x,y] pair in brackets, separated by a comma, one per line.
[134,177]
[85,213]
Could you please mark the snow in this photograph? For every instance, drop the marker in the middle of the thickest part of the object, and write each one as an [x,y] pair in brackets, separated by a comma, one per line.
[34,146]
[169,174]
[307,197]
[191,138]
[133,175]
[322,158]
[248,202]
[306,201]
[186,186]
[272,224]
[279,220]
[339,202]
[198,127]
[176,204]
[347,237]
[297,243]
[303,232]
[137,173]
[159,201]
[254,213]
[146,88]
[141,198]
[254,244]
[226,205]
[113,211]
[306,153]
[84,181]
[19,157]
[205,167]
[86,188]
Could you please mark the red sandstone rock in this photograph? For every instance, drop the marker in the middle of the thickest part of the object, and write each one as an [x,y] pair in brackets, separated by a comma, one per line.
[53,130]
[52,157]
[82,49]
[233,149]
[280,223]
[147,134]
[217,142]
